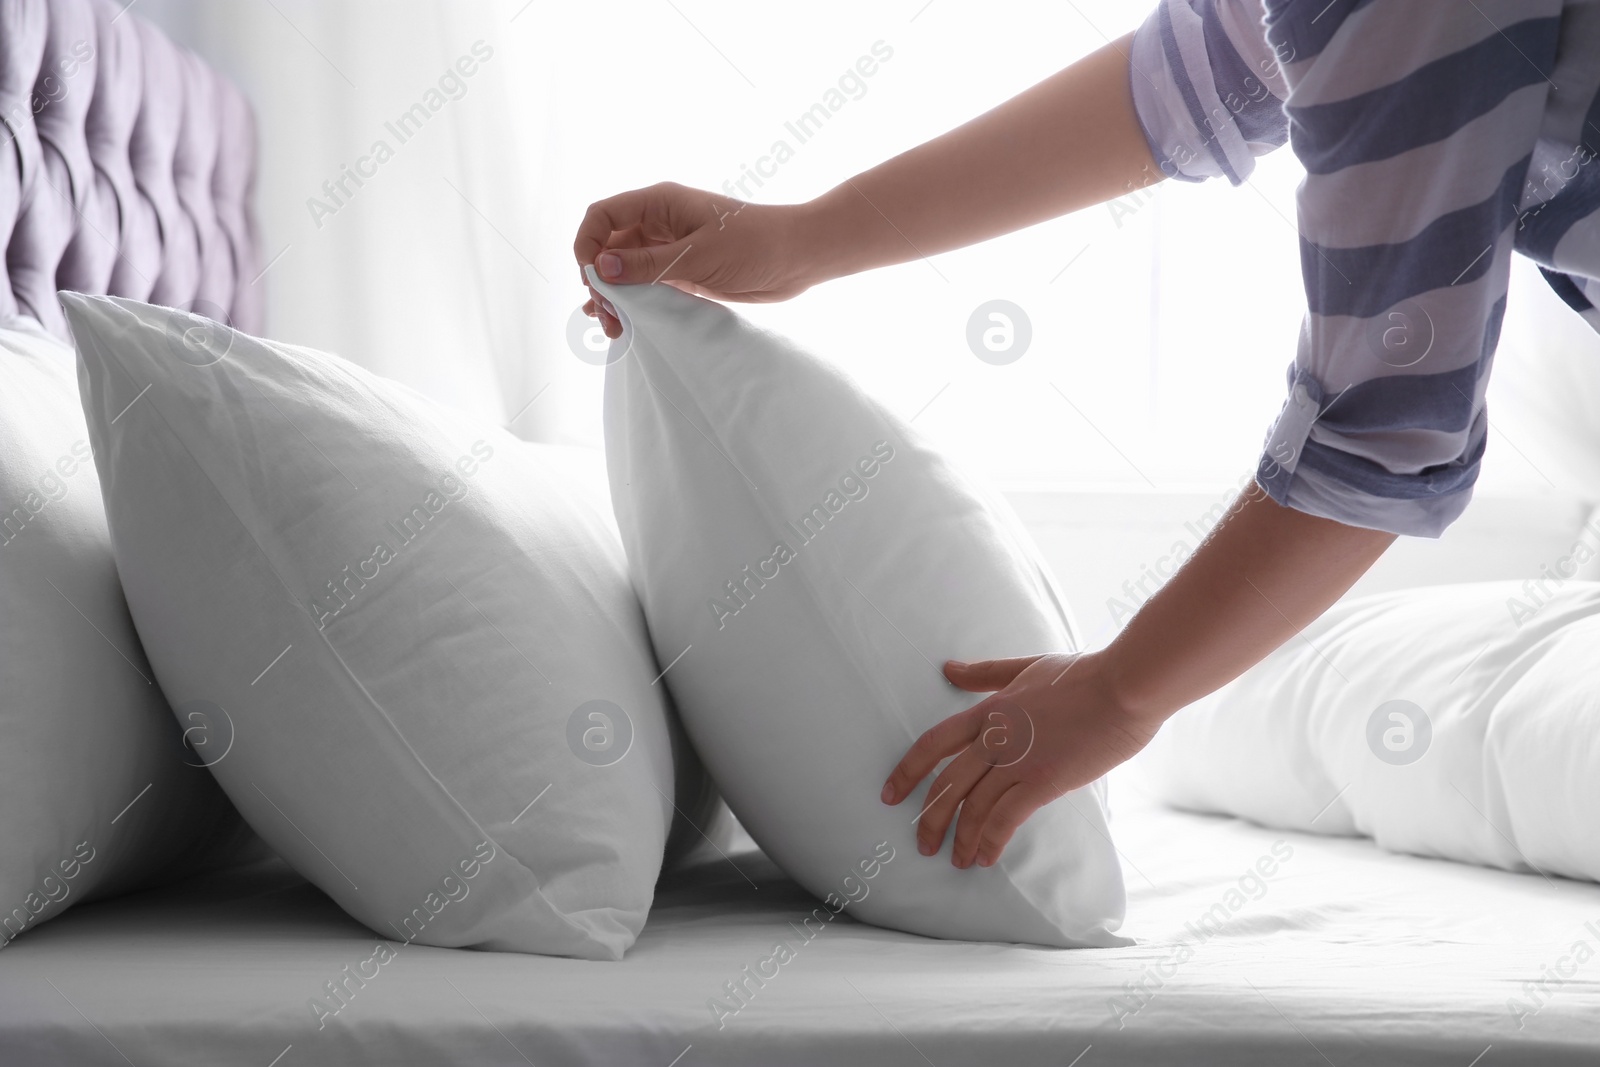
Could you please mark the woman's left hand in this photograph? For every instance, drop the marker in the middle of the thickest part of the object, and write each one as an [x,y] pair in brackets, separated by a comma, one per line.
[1053,724]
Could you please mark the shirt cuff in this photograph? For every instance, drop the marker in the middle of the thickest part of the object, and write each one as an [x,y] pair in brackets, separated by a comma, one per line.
[1190,133]
[1315,477]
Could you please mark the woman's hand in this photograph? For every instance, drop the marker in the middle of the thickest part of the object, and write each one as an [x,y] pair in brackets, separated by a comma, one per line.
[700,242]
[1053,724]
[1059,722]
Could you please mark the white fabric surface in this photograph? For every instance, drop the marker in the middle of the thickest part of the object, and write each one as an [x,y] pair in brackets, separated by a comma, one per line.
[415,630]
[1351,953]
[806,561]
[1457,721]
[701,823]
[97,791]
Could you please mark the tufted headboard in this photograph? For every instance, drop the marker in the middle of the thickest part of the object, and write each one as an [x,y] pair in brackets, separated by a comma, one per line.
[127,166]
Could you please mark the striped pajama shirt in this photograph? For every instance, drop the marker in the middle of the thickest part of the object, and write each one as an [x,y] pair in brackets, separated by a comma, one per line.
[1438,137]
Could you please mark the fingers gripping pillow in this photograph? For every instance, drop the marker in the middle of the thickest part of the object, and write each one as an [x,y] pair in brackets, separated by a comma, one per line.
[426,645]
[806,564]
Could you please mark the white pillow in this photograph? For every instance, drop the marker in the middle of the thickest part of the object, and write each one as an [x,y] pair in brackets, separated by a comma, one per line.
[97,792]
[702,825]
[1455,721]
[427,644]
[804,665]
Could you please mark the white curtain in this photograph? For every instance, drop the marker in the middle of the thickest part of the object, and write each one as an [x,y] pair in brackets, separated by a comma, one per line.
[1161,325]
[437,268]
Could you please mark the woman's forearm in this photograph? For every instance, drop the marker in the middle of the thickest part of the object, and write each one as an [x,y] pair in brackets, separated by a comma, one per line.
[1069,142]
[1261,575]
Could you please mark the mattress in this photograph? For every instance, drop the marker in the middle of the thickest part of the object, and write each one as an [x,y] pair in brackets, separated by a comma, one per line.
[1254,947]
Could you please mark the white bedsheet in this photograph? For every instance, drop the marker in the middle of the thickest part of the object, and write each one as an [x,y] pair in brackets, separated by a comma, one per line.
[1347,955]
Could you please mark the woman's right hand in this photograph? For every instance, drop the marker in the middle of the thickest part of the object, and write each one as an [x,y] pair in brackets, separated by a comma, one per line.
[703,243]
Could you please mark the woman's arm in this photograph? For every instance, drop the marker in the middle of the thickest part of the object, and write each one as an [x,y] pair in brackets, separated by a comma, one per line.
[1071,141]
[1067,143]
[1261,575]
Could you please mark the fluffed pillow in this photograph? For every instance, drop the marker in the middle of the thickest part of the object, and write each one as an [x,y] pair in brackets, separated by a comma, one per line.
[1458,721]
[98,792]
[702,825]
[435,667]
[806,565]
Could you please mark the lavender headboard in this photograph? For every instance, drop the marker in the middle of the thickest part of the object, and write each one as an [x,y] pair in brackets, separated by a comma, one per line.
[127,166]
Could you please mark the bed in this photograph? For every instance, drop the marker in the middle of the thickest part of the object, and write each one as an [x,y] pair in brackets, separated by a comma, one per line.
[1253,946]
[1344,955]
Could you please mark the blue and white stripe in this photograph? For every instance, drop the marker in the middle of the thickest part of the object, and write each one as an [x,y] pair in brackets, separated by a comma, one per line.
[1438,138]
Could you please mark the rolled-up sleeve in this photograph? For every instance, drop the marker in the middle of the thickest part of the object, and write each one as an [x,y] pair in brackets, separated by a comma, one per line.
[1208,88]
[1416,125]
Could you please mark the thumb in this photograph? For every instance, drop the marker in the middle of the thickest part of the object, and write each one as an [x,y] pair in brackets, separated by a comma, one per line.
[986,676]
[634,266]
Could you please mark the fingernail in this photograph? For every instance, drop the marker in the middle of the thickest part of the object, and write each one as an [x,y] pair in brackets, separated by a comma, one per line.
[888,793]
[955,665]
[610,265]
[925,847]
[985,861]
